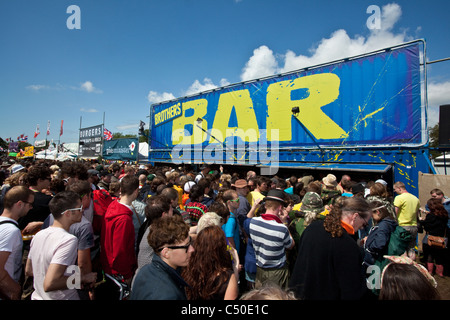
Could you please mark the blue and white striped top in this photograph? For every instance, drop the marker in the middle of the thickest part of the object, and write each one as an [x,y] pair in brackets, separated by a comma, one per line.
[270,239]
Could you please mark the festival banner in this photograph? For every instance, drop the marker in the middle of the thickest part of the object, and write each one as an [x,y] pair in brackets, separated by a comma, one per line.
[126,149]
[90,143]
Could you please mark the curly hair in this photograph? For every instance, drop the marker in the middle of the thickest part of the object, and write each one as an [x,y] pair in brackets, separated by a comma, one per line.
[38,172]
[209,266]
[332,222]
[74,169]
[14,179]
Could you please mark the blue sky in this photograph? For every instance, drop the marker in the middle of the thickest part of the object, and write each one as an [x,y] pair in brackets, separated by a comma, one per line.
[129,54]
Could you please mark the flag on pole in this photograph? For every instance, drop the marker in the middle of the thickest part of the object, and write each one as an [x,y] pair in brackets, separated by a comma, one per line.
[61,131]
[36,133]
[48,127]
[22,138]
[107,135]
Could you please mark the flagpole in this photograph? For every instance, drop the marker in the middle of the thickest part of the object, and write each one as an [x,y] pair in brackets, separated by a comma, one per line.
[103,136]
[46,135]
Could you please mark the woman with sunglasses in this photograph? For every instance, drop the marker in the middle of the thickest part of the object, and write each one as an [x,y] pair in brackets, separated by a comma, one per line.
[161,280]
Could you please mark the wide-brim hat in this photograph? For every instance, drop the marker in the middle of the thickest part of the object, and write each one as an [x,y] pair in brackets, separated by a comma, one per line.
[330,180]
[241,183]
[277,195]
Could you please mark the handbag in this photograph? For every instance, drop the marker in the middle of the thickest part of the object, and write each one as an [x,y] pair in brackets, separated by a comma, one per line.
[437,242]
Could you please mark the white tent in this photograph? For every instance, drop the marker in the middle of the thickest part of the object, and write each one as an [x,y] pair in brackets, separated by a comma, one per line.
[52,154]
[442,164]
[143,152]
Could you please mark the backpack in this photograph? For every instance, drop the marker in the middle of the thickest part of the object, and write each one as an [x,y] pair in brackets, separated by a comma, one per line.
[398,244]
[102,199]
[7,221]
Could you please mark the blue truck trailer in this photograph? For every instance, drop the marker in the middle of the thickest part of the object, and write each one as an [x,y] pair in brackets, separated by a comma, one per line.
[365,114]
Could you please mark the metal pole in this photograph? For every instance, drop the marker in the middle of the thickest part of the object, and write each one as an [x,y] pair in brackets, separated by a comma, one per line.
[439,60]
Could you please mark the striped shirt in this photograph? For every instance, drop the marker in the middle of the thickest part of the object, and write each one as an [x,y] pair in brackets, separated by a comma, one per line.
[270,239]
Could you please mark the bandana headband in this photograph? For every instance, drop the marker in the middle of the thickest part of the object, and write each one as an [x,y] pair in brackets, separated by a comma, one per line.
[406,260]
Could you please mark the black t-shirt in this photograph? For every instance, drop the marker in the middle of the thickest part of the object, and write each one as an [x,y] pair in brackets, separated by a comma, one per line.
[39,212]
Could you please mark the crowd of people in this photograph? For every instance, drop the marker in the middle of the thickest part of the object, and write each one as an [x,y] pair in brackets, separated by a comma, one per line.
[92,231]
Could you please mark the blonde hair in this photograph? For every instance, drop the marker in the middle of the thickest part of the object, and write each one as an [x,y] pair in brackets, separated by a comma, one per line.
[225,177]
[209,219]
[269,292]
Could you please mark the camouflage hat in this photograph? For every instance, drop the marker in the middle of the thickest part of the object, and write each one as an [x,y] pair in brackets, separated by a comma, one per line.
[312,202]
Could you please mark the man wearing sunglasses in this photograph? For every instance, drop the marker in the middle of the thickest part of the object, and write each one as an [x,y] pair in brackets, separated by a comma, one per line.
[54,249]
[39,178]
[161,280]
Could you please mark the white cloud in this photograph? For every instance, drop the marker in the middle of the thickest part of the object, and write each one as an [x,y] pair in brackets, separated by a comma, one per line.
[89,87]
[196,87]
[390,14]
[89,110]
[37,87]
[155,97]
[262,63]
[207,84]
[438,94]
[339,45]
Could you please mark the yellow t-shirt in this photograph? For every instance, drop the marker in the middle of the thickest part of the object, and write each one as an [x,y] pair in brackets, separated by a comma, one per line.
[253,195]
[408,205]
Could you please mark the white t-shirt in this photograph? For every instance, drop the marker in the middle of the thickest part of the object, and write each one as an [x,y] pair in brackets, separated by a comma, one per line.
[52,245]
[11,241]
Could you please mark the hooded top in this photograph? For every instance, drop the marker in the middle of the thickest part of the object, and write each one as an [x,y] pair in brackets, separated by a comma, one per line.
[117,240]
